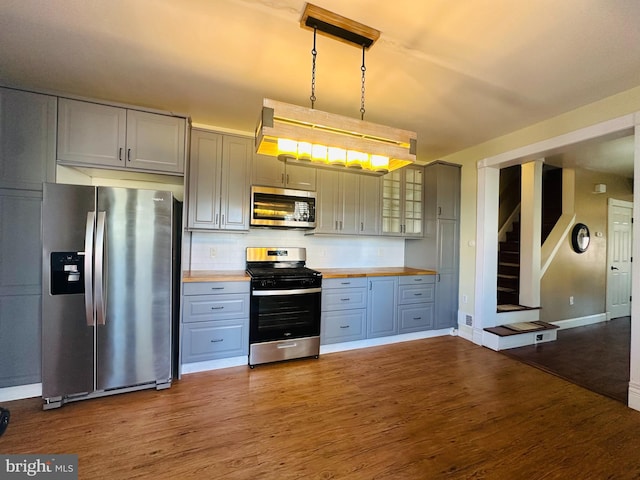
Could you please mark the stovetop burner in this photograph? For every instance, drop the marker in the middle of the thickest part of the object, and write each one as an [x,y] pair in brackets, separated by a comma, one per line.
[272,272]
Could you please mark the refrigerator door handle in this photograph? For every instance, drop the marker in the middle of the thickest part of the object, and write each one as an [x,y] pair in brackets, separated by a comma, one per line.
[101,233]
[88,268]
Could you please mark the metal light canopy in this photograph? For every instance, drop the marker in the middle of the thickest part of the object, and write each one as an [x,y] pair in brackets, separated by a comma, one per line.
[316,138]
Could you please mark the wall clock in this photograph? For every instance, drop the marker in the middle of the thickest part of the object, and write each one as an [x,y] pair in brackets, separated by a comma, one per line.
[580,237]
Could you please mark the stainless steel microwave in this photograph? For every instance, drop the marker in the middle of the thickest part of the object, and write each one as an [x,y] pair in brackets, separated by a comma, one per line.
[281,207]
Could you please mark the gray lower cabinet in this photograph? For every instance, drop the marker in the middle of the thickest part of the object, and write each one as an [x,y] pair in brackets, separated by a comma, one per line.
[215,321]
[344,310]
[416,307]
[382,320]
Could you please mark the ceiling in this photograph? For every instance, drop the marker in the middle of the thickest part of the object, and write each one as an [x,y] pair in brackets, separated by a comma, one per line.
[456,72]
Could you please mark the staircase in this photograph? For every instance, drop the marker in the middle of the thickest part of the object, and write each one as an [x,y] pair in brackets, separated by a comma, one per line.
[509,269]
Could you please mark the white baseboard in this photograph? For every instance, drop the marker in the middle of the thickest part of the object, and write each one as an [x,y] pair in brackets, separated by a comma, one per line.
[196,367]
[580,321]
[466,332]
[375,342]
[19,392]
[634,396]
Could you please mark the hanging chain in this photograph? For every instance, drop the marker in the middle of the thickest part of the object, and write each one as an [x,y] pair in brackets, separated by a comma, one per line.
[314,53]
[364,69]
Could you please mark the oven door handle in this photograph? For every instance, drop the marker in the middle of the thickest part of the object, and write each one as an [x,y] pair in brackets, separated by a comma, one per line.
[295,291]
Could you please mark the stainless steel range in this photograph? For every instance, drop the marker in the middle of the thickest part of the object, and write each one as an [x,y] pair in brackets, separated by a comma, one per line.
[285,305]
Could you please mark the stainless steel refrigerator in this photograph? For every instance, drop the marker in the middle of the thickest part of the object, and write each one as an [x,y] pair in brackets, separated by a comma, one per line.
[110,281]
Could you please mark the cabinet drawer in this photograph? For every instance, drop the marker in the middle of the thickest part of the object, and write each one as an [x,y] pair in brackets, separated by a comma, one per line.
[416,279]
[414,318]
[416,293]
[343,326]
[344,282]
[212,340]
[203,308]
[206,288]
[343,299]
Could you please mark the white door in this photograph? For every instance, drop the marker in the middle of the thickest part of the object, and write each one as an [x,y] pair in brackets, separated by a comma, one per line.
[619,250]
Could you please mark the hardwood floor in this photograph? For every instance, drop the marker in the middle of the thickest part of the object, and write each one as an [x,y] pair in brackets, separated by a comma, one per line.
[594,356]
[426,409]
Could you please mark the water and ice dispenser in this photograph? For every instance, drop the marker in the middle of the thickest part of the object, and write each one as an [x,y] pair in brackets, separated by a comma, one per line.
[67,273]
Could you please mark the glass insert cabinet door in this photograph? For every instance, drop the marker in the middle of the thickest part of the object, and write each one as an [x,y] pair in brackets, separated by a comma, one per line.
[402,201]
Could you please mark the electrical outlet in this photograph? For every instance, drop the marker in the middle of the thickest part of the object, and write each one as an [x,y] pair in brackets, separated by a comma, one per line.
[213,252]
[465,299]
[571,300]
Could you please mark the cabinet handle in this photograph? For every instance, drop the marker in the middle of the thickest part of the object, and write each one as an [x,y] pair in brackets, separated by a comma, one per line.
[345,283]
[282,178]
[128,154]
[362,226]
[344,326]
[217,340]
[417,279]
[216,220]
[345,299]
[120,154]
[418,294]
[217,308]
[370,285]
[340,224]
[217,288]
[439,211]
[336,227]
[417,318]
[222,222]
[287,179]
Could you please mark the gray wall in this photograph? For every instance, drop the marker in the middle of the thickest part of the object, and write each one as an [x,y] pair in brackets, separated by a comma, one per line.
[583,276]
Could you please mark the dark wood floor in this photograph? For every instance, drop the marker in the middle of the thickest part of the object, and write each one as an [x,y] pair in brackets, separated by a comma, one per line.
[426,409]
[594,356]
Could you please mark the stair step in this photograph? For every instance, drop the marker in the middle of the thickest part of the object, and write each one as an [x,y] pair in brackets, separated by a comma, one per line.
[510,246]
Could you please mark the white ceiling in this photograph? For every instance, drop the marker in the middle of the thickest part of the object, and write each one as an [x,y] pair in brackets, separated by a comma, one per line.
[458,72]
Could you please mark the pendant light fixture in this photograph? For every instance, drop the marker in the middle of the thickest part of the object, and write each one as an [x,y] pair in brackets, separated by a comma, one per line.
[312,137]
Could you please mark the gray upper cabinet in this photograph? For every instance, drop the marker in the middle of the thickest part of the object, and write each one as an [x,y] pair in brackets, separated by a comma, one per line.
[271,172]
[219,188]
[440,247]
[402,202]
[27,159]
[370,205]
[96,135]
[348,203]
[27,139]
[338,203]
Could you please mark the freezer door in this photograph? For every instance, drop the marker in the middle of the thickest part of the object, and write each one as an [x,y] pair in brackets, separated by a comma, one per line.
[134,339]
[67,331]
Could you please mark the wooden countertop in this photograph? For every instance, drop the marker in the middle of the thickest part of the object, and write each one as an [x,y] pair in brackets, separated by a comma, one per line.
[215,276]
[241,276]
[373,272]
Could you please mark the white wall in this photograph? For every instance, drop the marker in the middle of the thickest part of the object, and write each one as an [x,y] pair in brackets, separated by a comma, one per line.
[322,251]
